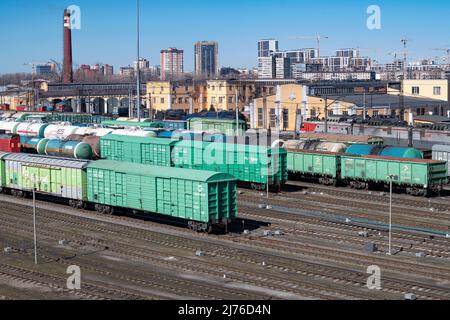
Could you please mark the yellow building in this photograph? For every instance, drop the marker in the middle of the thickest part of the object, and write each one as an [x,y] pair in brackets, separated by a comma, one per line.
[219,95]
[167,95]
[293,103]
[432,89]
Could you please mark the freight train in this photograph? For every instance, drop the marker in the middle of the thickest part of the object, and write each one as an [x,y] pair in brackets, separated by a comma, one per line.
[257,166]
[419,177]
[203,199]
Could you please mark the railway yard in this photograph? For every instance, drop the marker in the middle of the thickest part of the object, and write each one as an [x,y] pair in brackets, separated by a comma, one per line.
[306,242]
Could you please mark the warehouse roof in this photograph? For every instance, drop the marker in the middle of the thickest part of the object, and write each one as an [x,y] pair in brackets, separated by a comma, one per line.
[46,161]
[161,172]
[135,139]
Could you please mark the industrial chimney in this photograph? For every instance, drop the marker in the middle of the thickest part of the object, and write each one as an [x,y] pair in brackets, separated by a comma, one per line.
[67,68]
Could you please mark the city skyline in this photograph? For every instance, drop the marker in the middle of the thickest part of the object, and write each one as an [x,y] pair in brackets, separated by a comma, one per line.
[112,42]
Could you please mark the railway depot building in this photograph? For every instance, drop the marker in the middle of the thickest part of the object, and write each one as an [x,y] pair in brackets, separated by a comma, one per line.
[197,96]
[292,101]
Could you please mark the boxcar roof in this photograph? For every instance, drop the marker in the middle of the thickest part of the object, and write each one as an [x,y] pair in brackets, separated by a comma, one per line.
[162,172]
[397,159]
[133,139]
[45,160]
[328,153]
[3,154]
[220,120]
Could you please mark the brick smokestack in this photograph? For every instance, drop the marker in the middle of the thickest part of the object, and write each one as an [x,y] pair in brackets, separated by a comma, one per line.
[67,68]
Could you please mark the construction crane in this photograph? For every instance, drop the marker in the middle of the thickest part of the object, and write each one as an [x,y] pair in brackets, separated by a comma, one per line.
[446,50]
[317,37]
[33,65]
[405,41]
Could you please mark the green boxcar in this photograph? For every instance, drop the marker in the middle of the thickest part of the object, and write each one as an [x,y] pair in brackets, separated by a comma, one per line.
[2,170]
[200,196]
[314,164]
[225,126]
[413,173]
[49,175]
[152,151]
[248,163]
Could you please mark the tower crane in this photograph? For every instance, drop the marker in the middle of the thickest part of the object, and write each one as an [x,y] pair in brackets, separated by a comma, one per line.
[446,50]
[317,37]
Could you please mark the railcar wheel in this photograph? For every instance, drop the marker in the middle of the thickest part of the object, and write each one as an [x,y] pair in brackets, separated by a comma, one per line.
[100,209]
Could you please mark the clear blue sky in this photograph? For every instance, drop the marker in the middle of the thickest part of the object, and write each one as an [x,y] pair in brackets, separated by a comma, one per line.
[31,30]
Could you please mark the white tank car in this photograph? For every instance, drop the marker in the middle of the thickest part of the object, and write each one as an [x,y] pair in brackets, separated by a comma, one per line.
[278,143]
[9,126]
[59,131]
[294,144]
[31,129]
[331,147]
[93,131]
[134,133]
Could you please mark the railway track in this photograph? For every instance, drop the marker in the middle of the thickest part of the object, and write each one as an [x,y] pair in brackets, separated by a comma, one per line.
[421,218]
[441,204]
[245,256]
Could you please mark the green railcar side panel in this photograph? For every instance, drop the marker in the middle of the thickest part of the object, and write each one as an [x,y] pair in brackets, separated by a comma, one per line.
[63,182]
[410,173]
[173,192]
[314,164]
[2,174]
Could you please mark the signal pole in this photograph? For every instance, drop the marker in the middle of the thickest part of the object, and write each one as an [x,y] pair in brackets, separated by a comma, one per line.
[138,72]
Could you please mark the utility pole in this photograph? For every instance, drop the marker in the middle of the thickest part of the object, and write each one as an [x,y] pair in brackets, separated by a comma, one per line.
[364,106]
[326,114]
[138,72]
[34,226]
[405,77]
[237,111]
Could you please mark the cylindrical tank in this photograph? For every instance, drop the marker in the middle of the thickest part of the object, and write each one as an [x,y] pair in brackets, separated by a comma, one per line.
[9,126]
[59,131]
[331,147]
[33,144]
[134,133]
[68,149]
[408,153]
[94,131]
[294,144]
[278,143]
[165,134]
[364,149]
[75,137]
[94,142]
[31,129]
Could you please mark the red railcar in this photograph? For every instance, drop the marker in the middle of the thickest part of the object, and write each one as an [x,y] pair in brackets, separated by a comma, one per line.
[4,107]
[9,142]
[309,127]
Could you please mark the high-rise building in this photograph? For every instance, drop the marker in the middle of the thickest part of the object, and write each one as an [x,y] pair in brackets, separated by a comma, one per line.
[282,68]
[347,52]
[43,70]
[108,70]
[266,67]
[267,47]
[172,64]
[206,59]
[143,64]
